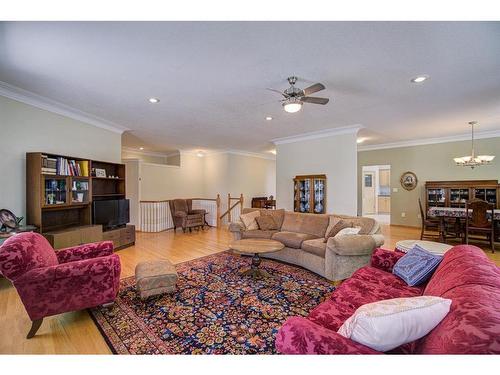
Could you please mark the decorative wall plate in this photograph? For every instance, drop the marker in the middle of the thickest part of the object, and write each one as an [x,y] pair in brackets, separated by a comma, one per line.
[409,180]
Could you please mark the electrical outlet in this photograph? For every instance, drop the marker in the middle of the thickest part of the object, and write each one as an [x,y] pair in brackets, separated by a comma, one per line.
[403,214]
[395,190]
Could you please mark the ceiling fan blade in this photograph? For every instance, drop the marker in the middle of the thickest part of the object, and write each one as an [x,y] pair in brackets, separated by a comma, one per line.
[314,100]
[314,88]
[278,91]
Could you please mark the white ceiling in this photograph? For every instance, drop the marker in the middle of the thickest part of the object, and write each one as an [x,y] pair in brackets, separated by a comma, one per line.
[211,77]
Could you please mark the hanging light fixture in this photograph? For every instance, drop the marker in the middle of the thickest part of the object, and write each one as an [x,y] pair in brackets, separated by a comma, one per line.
[292,105]
[473,160]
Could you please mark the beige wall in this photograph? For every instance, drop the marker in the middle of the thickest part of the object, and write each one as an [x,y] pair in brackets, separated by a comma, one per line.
[133,188]
[334,156]
[24,128]
[429,163]
[160,182]
[217,173]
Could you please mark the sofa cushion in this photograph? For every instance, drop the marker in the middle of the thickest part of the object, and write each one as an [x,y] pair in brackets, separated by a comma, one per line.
[292,239]
[366,285]
[385,325]
[266,222]
[416,266]
[332,230]
[267,234]
[277,215]
[471,281]
[248,220]
[314,224]
[367,224]
[316,247]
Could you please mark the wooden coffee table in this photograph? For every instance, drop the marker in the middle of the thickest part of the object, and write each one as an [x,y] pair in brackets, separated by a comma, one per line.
[256,247]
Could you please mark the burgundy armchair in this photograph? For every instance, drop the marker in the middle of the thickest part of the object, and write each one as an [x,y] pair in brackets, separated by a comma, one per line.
[52,282]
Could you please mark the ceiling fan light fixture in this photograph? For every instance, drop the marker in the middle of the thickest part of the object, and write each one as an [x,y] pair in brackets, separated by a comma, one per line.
[292,105]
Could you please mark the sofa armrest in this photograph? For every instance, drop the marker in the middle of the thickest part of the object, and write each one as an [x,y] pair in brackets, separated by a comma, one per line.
[385,259]
[87,251]
[352,245]
[236,227]
[301,336]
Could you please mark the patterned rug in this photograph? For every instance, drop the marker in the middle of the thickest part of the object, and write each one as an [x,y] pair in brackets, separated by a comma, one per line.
[214,311]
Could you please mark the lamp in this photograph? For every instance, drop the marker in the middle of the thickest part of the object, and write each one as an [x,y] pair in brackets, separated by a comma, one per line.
[473,160]
[292,105]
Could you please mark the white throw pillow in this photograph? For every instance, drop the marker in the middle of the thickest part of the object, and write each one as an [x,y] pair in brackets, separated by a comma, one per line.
[348,231]
[249,220]
[387,324]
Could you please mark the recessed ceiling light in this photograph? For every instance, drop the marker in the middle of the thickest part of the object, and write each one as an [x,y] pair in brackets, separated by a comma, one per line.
[141,148]
[360,140]
[269,118]
[154,100]
[420,79]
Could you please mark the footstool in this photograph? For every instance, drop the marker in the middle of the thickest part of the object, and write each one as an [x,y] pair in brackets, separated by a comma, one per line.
[155,277]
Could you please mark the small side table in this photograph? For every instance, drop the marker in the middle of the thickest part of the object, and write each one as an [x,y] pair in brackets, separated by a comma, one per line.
[437,248]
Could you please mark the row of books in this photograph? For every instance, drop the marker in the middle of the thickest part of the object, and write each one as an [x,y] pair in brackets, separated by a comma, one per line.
[64,167]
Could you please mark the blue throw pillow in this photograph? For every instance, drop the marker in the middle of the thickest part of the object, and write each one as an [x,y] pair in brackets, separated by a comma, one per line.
[416,266]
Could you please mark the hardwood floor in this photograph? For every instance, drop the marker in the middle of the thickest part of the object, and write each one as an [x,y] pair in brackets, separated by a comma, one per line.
[75,333]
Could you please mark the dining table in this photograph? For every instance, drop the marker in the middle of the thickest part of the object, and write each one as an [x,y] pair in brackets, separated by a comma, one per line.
[458,213]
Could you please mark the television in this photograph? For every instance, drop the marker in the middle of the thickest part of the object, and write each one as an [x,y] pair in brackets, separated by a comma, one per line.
[111,213]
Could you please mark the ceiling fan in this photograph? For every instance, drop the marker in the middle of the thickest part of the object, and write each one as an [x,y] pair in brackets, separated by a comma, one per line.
[294,97]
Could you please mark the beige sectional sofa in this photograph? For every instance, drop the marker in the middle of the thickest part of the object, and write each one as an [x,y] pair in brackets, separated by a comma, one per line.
[303,236]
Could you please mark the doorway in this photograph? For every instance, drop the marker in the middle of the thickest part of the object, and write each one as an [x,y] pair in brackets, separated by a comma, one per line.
[376,192]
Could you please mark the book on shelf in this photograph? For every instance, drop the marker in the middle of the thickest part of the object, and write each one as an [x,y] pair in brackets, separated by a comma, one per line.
[64,167]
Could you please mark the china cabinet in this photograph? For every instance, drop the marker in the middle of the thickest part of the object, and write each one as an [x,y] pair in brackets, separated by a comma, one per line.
[310,193]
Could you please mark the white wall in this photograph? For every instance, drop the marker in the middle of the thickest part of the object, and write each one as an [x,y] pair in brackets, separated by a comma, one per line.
[24,128]
[335,156]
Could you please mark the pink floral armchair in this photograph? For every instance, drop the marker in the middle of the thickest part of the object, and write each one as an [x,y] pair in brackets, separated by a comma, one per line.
[52,282]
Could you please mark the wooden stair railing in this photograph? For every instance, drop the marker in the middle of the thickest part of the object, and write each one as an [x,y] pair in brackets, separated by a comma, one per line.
[230,205]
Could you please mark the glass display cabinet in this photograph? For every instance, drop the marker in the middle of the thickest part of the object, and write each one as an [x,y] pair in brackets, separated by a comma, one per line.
[55,191]
[310,194]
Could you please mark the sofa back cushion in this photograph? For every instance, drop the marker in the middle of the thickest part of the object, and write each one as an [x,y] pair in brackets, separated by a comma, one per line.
[278,215]
[367,224]
[472,282]
[314,224]
[24,252]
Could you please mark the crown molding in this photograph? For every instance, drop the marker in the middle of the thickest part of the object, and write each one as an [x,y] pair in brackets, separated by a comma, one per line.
[35,100]
[352,129]
[230,151]
[145,152]
[430,141]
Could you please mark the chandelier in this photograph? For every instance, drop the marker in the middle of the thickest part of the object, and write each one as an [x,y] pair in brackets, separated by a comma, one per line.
[473,160]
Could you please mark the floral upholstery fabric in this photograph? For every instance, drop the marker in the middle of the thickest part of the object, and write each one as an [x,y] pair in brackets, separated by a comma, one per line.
[366,285]
[50,284]
[24,254]
[87,251]
[465,276]
[301,336]
[385,259]
[472,282]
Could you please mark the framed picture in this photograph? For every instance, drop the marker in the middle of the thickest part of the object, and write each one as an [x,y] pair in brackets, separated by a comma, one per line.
[409,180]
[100,172]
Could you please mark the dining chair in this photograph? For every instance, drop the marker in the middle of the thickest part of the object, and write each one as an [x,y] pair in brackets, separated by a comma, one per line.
[478,222]
[428,225]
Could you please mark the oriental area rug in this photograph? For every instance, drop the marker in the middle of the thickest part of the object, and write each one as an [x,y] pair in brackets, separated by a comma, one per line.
[215,310]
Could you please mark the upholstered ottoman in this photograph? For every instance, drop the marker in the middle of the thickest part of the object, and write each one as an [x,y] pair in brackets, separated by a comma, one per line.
[155,277]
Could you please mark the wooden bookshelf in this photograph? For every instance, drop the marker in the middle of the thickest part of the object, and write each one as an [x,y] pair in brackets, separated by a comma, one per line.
[62,203]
